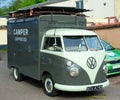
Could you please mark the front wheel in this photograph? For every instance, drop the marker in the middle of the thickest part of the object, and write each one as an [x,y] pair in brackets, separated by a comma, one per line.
[49,86]
[17,75]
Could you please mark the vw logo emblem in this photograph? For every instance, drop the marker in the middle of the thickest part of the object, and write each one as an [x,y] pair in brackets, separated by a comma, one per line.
[91,62]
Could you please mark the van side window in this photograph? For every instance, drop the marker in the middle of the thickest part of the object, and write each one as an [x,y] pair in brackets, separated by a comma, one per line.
[52,44]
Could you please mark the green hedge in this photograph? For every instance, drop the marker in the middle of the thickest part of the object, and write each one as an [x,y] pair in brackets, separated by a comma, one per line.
[3,48]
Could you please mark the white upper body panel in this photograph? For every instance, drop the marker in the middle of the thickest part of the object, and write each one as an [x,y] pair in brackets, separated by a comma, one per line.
[69,32]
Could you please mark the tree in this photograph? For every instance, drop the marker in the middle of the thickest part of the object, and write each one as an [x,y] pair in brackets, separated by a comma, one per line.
[5,3]
[24,3]
[16,4]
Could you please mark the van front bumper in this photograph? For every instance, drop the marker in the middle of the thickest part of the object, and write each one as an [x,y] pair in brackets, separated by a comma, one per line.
[71,88]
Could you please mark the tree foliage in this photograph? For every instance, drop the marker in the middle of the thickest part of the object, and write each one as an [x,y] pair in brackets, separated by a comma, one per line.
[16,4]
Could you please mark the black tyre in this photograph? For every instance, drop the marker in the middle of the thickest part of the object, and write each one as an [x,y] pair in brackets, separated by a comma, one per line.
[49,86]
[17,75]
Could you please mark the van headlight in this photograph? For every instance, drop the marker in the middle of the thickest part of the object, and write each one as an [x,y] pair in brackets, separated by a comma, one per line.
[74,72]
[105,69]
[73,69]
[105,59]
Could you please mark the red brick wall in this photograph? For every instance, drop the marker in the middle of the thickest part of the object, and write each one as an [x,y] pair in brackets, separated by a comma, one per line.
[111,35]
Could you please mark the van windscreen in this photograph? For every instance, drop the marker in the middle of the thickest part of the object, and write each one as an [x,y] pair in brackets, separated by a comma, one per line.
[93,43]
[81,43]
[74,43]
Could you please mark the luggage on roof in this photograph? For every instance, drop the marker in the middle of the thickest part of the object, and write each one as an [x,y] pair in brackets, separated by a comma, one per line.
[37,11]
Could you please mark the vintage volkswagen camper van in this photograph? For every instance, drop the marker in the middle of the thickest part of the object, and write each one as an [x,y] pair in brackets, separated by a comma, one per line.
[57,49]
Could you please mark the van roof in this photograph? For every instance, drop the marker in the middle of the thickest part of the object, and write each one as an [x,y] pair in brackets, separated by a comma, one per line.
[68,32]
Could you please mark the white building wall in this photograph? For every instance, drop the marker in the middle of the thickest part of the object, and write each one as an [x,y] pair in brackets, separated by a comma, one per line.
[101,8]
[3,37]
[66,3]
[3,32]
[117,9]
[3,21]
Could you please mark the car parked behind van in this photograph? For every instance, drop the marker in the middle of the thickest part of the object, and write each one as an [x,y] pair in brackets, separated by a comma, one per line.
[112,58]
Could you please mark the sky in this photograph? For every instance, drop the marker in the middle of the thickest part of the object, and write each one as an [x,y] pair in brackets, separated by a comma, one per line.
[5,3]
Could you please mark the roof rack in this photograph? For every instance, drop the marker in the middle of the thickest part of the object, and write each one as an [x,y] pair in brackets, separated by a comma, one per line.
[37,11]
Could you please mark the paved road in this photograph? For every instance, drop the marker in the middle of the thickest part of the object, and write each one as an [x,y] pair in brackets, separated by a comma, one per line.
[32,90]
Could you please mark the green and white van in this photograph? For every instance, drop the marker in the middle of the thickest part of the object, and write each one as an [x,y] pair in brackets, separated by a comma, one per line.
[57,49]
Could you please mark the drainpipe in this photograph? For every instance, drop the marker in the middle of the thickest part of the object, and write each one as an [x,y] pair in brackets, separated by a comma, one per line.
[80,4]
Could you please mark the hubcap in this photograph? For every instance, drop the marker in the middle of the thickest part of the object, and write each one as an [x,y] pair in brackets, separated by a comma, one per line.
[15,73]
[48,85]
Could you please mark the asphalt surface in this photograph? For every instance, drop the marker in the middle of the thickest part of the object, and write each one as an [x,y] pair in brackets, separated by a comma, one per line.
[30,89]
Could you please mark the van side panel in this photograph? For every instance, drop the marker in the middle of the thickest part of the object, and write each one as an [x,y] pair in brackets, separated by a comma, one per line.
[23,46]
[25,39]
